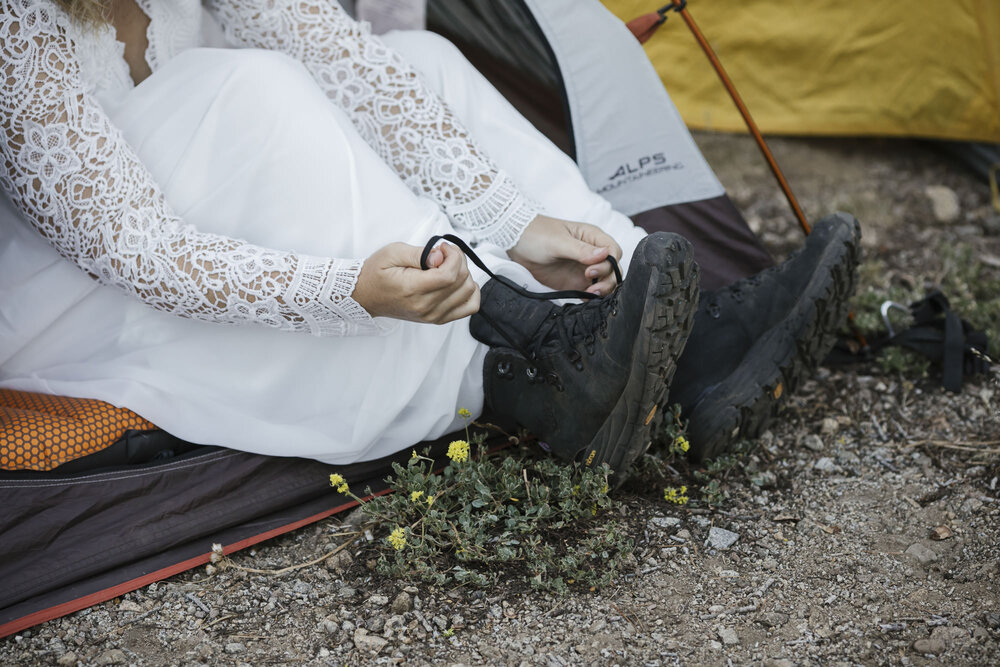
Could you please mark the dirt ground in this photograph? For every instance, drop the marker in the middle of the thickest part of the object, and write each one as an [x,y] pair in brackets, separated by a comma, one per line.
[836,511]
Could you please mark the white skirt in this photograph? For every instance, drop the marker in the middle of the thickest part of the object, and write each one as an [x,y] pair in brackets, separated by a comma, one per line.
[243,143]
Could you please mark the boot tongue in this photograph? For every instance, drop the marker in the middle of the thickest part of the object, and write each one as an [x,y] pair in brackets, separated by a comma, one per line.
[520,317]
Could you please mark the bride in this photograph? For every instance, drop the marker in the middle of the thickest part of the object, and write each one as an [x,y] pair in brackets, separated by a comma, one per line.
[171,168]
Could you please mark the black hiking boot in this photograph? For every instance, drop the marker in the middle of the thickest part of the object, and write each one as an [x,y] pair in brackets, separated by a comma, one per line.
[756,340]
[588,379]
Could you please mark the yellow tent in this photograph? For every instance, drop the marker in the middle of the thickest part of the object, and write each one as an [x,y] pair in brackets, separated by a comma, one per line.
[836,67]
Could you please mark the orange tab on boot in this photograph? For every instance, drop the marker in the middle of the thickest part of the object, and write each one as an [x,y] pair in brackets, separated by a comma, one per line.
[41,432]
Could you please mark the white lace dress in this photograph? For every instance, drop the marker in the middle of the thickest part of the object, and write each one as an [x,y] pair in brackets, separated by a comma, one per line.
[244,187]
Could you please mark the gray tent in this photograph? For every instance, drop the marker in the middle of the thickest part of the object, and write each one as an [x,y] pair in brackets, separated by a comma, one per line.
[151,506]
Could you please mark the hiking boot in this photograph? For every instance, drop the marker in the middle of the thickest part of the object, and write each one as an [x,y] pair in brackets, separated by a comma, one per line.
[588,379]
[756,340]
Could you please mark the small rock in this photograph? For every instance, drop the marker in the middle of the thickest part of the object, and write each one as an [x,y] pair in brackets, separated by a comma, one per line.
[971,505]
[67,659]
[665,522]
[402,603]
[941,533]
[813,442]
[113,657]
[701,521]
[772,619]
[720,538]
[339,562]
[949,634]
[778,662]
[301,587]
[331,627]
[932,646]
[830,426]
[825,464]
[379,600]
[683,534]
[128,605]
[944,203]
[366,642]
[346,592]
[923,554]
[235,647]
[729,636]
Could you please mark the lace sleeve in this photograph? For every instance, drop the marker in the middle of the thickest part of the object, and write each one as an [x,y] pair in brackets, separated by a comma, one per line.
[73,176]
[392,108]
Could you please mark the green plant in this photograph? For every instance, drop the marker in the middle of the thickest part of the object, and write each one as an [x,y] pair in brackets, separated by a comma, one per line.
[507,514]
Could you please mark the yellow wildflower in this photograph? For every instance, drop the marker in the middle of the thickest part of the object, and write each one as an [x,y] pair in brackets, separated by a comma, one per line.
[677,496]
[414,454]
[458,451]
[682,443]
[590,459]
[397,539]
[430,500]
[464,414]
[338,481]
[415,496]
[604,489]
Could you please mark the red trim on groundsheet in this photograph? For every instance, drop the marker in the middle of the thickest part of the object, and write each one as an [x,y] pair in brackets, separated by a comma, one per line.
[66,608]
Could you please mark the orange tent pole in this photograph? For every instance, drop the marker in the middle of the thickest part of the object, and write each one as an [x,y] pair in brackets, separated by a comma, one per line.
[680,6]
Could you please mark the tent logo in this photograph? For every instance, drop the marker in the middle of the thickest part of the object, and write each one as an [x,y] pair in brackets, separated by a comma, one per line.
[656,159]
[647,165]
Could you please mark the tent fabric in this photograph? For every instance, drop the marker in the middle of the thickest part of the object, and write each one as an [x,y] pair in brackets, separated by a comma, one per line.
[616,119]
[41,432]
[72,540]
[832,67]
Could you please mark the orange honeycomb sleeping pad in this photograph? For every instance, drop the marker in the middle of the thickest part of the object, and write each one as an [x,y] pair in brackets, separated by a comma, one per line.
[40,432]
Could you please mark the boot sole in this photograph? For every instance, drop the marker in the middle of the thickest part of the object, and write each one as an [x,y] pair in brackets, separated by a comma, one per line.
[743,404]
[627,432]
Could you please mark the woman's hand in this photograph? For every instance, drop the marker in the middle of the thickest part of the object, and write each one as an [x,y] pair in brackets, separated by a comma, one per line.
[567,255]
[392,284]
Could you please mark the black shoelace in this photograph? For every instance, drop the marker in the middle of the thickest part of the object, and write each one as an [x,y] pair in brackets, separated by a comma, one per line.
[572,322]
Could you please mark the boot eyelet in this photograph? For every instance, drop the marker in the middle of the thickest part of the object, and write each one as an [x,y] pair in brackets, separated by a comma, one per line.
[714,310]
[503,369]
[553,378]
[531,372]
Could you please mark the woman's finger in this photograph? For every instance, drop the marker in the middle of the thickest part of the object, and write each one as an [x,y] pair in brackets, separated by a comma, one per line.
[461,302]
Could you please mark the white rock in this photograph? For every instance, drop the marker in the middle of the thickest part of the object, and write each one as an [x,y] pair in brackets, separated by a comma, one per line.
[825,464]
[665,522]
[720,538]
[366,642]
[944,203]
[729,636]
[813,442]
[923,554]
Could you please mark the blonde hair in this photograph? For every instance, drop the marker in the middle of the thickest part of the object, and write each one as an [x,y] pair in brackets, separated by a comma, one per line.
[90,12]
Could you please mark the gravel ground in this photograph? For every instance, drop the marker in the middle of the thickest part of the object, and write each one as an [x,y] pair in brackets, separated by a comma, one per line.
[864,526]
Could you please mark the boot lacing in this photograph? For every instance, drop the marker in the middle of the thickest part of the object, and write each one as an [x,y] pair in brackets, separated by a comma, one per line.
[572,322]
